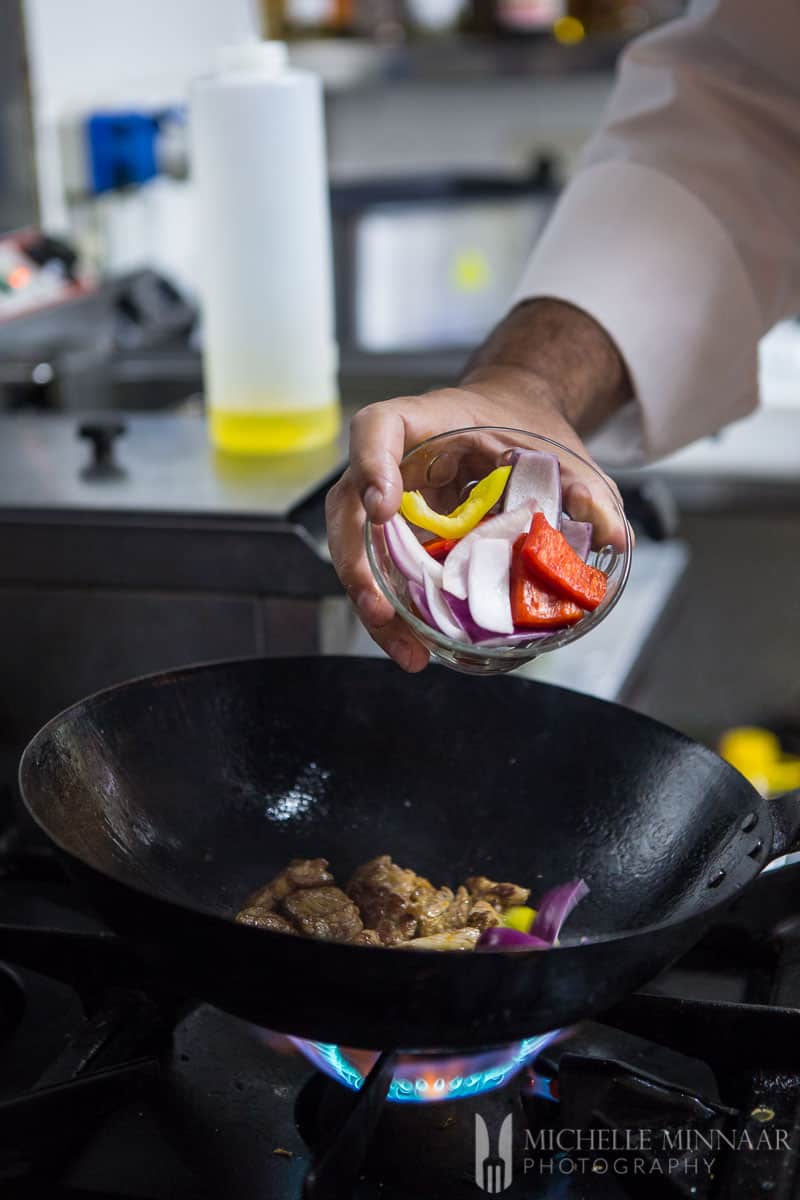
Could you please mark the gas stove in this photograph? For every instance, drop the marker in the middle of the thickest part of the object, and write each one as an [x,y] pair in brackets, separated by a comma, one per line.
[690,1088]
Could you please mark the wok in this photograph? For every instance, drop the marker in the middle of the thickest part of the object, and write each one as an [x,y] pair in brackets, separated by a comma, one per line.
[175,795]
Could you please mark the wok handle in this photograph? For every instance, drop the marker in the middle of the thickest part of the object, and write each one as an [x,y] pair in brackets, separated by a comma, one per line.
[785,813]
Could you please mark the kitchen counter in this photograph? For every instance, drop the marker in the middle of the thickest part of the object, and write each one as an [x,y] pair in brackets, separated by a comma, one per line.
[162,463]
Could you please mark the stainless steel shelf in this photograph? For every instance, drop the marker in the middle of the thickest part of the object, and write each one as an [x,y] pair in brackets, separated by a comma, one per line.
[348,63]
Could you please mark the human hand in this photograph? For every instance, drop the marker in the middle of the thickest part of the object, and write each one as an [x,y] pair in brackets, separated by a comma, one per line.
[372,486]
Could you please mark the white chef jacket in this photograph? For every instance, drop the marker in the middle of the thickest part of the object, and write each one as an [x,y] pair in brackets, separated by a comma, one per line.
[680,232]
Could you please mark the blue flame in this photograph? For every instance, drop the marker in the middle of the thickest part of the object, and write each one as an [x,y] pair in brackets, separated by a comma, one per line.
[420,1081]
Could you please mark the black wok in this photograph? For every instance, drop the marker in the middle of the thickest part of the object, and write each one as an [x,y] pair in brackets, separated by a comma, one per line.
[173,796]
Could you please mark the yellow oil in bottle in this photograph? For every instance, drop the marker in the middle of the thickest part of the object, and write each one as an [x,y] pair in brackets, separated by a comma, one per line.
[274,432]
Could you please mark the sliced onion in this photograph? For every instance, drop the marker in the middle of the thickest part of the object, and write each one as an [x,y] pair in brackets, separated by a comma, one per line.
[489,585]
[506,525]
[535,479]
[417,593]
[579,536]
[460,610]
[501,937]
[408,555]
[443,617]
[517,638]
[555,907]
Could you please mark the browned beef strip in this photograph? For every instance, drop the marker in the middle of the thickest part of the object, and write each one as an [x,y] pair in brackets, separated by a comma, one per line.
[458,913]
[438,910]
[483,916]
[300,873]
[500,895]
[430,906]
[265,920]
[383,893]
[367,937]
[323,912]
[452,939]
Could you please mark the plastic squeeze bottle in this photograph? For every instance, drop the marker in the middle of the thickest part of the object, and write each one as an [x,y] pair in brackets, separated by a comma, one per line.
[258,161]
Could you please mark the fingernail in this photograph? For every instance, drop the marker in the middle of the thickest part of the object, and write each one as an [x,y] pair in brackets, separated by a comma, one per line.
[400,651]
[373,498]
[367,603]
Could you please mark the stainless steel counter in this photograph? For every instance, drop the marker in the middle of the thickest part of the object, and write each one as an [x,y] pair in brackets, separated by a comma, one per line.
[165,465]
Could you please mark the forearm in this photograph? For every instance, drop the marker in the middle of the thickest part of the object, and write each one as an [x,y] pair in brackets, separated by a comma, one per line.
[549,342]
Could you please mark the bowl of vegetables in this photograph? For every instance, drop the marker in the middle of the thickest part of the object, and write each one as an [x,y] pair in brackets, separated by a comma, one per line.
[507,545]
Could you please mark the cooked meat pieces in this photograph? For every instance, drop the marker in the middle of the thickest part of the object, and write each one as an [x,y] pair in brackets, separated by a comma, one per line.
[430,906]
[323,912]
[399,904]
[385,905]
[438,909]
[307,902]
[265,920]
[300,873]
[454,939]
[458,913]
[500,895]
[367,937]
[383,893]
[483,916]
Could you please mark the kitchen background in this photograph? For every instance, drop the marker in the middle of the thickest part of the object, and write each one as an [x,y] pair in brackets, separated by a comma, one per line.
[126,546]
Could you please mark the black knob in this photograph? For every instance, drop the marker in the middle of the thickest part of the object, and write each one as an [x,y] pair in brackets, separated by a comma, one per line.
[102,435]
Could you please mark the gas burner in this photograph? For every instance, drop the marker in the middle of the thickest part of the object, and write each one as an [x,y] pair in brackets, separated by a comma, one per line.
[413,1149]
[422,1079]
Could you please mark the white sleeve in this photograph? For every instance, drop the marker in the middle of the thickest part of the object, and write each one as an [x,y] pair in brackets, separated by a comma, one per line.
[680,232]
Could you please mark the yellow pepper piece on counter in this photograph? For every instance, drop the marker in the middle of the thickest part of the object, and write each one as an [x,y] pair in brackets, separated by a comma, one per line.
[519,917]
[461,520]
[757,754]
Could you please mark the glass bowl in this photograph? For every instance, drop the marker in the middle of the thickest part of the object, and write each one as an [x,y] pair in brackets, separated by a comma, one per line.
[444,468]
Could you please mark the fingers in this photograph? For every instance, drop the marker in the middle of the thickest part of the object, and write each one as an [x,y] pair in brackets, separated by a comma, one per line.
[377,444]
[345,517]
[585,502]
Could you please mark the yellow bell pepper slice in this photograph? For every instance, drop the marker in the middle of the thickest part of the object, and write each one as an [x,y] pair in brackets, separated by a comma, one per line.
[519,917]
[461,520]
[758,755]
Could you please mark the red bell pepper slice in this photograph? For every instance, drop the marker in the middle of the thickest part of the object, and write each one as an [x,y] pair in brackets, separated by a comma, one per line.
[439,548]
[555,564]
[533,606]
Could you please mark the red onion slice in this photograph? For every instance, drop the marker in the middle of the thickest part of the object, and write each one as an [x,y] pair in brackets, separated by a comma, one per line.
[443,617]
[408,555]
[460,610]
[518,638]
[489,585]
[579,536]
[535,479]
[501,937]
[554,908]
[506,526]
[417,593]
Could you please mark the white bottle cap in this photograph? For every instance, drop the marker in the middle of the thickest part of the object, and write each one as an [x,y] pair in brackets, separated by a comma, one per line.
[264,57]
